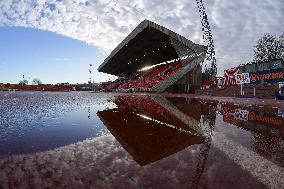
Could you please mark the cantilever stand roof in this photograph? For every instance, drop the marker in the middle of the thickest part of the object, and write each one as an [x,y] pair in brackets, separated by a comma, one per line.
[148,44]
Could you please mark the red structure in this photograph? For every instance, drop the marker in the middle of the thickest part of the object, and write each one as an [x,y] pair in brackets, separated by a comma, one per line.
[18,87]
[229,75]
[146,80]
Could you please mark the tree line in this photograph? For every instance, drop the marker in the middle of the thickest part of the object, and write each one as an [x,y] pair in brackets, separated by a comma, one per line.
[35,81]
[269,47]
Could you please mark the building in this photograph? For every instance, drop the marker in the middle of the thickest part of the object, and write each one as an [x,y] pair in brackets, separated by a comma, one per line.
[155,59]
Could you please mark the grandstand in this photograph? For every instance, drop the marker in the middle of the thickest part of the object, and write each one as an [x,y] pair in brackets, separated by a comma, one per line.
[153,58]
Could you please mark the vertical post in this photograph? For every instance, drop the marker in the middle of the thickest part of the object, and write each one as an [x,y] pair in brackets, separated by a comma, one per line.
[90,71]
[254,91]
[23,80]
[241,89]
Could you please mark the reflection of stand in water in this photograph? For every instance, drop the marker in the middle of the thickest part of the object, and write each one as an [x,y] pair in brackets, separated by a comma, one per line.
[147,144]
[150,128]
[207,123]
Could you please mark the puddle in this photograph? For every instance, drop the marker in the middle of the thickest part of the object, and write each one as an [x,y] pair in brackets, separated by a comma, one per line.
[81,139]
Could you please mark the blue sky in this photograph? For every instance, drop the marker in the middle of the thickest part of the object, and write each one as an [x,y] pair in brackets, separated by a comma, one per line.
[103,24]
[46,55]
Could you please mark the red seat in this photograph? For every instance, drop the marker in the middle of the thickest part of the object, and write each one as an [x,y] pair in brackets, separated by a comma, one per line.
[148,80]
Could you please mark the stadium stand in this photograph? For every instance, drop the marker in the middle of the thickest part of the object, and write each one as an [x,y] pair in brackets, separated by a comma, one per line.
[173,59]
[145,80]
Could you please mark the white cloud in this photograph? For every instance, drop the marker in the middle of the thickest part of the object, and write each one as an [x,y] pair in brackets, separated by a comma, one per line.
[236,25]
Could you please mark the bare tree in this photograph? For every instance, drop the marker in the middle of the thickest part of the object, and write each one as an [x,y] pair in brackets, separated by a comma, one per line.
[281,37]
[23,82]
[269,47]
[36,81]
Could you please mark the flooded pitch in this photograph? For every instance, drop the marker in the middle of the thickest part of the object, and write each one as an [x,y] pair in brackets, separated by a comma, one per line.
[96,140]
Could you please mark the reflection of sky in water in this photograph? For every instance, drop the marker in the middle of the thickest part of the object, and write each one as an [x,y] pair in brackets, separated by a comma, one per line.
[71,147]
[40,121]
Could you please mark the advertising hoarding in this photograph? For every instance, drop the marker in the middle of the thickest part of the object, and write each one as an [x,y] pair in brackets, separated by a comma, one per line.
[269,76]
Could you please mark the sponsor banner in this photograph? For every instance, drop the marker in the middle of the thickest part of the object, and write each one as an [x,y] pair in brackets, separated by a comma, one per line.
[231,115]
[242,115]
[266,119]
[249,120]
[242,78]
[270,76]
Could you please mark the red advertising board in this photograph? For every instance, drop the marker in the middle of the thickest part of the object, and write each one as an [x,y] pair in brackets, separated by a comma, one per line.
[270,76]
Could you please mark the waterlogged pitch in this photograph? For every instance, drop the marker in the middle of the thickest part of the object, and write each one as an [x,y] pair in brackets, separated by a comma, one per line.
[96,140]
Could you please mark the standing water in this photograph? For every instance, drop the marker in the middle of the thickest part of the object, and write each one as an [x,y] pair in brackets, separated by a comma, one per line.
[99,140]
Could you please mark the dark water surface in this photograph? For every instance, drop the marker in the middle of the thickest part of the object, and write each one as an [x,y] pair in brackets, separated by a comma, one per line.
[96,140]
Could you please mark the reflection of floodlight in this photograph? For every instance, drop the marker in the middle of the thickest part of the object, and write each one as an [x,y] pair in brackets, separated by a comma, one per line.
[146,68]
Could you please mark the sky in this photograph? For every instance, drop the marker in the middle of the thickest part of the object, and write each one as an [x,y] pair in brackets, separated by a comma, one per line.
[45,55]
[41,38]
